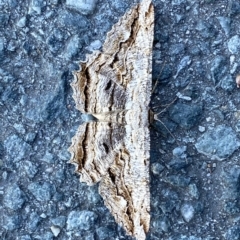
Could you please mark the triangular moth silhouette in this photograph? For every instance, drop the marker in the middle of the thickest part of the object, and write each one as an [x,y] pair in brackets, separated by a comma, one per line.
[113,89]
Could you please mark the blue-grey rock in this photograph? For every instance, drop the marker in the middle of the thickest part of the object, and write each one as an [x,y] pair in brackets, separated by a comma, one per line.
[95,45]
[234,44]
[22,22]
[73,47]
[29,168]
[219,68]
[193,191]
[185,115]
[45,236]
[49,106]
[4,17]
[13,197]
[24,237]
[180,151]
[179,163]
[205,29]
[73,20]
[218,143]
[29,137]
[59,221]
[58,197]
[176,49]
[83,6]
[230,178]
[16,149]
[42,192]
[185,61]
[2,47]
[233,233]
[157,168]
[81,220]
[187,211]
[36,6]
[231,207]
[228,83]
[234,8]
[225,24]
[178,180]
[105,233]
[48,157]
[160,225]
[10,222]
[178,2]
[56,41]
[2,151]
[33,221]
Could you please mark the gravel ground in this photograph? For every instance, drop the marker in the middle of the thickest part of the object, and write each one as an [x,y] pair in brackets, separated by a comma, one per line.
[195,171]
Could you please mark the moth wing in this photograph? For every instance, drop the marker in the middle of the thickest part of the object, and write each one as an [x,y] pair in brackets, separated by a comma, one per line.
[125,187]
[94,148]
[108,80]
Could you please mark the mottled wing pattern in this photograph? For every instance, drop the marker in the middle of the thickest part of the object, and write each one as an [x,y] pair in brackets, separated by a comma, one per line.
[118,79]
[94,148]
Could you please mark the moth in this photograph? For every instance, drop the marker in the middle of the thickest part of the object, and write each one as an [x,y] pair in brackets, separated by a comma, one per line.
[112,89]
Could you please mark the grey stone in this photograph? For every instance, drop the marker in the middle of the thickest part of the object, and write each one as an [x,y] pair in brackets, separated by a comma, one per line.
[81,220]
[36,6]
[73,47]
[234,44]
[225,24]
[178,180]
[22,22]
[29,168]
[56,41]
[55,230]
[218,143]
[59,221]
[83,6]
[160,225]
[33,222]
[230,178]
[10,222]
[42,192]
[24,237]
[233,233]
[177,48]
[179,163]
[13,197]
[4,17]
[95,45]
[105,233]
[16,148]
[185,115]
[73,20]
[205,29]
[48,157]
[157,168]
[49,106]
[187,211]
[45,236]
[180,151]
[185,61]
[2,46]
[193,191]
[228,83]
[218,68]
[234,8]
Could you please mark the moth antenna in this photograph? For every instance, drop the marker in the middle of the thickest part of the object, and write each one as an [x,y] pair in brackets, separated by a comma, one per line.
[156,83]
[169,104]
[155,117]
